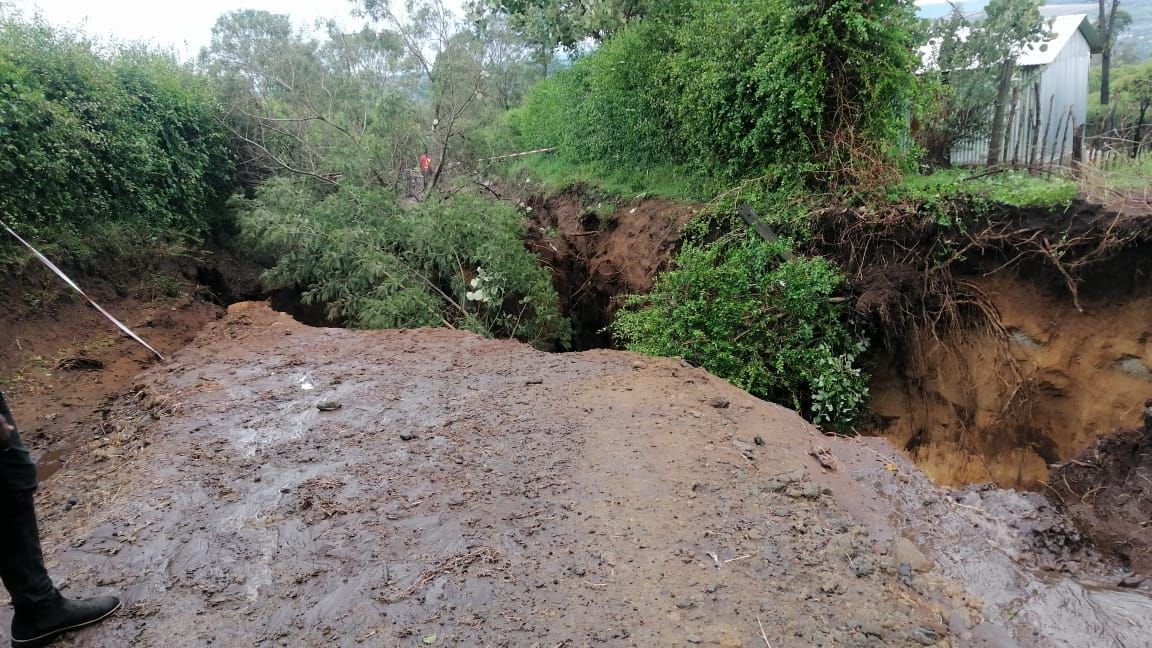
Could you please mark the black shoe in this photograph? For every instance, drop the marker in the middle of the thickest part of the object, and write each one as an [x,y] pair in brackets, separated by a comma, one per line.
[44,623]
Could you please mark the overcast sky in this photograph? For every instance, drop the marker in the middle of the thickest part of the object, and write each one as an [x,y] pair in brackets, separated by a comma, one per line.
[186,25]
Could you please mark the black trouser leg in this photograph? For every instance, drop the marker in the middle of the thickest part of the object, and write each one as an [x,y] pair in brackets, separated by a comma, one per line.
[21,559]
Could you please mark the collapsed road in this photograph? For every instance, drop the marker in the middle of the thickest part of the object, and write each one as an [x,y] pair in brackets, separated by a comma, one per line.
[279,485]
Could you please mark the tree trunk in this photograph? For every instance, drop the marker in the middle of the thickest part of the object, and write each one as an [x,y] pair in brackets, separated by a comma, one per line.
[1000,111]
[1105,75]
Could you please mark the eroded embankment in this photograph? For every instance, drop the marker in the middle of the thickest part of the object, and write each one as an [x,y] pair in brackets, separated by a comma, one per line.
[1002,405]
[599,249]
[1010,338]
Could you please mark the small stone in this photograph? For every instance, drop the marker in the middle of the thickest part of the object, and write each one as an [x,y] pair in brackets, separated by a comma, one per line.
[743,447]
[775,486]
[693,639]
[329,406]
[790,477]
[804,491]
[636,364]
[904,552]
[759,440]
[685,604]
[407,436]
[719,403]
[534,381]
[755,535]
[862,569]
[579,571]
[904,570]
[924,636]
[959,621]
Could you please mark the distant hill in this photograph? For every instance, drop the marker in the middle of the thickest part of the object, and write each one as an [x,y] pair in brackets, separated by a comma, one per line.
[1139,35]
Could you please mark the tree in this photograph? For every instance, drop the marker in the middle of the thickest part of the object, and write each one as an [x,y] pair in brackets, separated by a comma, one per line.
[449,60]
[1110,22]
[548,24]
[1134,87]
[327,109]
[977,64]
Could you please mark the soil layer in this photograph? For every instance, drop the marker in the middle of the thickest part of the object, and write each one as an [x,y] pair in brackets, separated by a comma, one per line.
[600,249]
[979,411]
[1107,490]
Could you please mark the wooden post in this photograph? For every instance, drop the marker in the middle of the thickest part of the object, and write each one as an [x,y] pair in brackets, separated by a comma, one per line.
[748,215]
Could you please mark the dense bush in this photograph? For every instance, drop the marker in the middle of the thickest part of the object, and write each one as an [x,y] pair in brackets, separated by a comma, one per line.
[101,145]
[771,328]
[459,263]
[738,87]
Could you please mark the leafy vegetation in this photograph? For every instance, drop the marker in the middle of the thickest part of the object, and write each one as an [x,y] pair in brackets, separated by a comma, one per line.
[104,155]
[772,328]
[458,263]
[1016,188]
[736,89]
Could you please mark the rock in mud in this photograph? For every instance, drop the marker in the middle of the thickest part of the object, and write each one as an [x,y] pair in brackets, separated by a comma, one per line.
[329,406]
[807,490]
[925,636]
[906,553]
[1133,581]
[743,447]
[719,402]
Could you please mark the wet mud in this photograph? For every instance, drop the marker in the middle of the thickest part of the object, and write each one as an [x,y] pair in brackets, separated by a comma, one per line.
[466,492]
[1107,490]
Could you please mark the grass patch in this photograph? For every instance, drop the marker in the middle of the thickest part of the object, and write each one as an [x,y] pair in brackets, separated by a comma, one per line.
[1016,188]
[553,173]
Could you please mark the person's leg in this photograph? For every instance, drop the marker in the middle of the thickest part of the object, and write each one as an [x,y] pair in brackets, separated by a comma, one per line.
[21,560]
[40,613]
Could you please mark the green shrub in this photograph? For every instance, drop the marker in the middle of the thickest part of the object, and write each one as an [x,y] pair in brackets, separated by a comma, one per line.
[459,263]
[89,140]
[771,328]
[735,88]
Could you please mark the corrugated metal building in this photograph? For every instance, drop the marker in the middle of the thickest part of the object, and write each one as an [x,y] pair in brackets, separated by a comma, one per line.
[1049,104]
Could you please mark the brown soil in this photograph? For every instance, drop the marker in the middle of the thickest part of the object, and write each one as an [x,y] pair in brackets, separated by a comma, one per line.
[1107,490]
[977,411]
[62,360]
[585,499]
[599,249]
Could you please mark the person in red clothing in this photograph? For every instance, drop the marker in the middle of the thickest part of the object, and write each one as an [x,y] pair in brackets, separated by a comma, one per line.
[425,164]
[41,614]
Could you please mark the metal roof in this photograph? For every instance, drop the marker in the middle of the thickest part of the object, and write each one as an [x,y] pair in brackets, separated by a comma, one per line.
[1063,29]
[1041,53]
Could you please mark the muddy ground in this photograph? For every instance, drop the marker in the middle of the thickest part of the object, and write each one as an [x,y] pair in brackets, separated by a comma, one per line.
[1107,490]
[479,493]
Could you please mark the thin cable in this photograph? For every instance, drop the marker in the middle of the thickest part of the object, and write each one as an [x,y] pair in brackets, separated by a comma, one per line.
[60,273]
